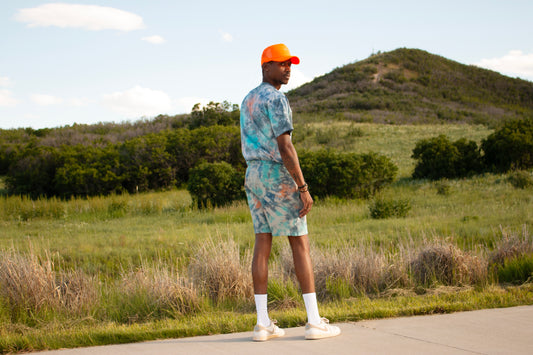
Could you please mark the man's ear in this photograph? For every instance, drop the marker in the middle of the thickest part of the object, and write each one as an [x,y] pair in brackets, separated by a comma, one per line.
[265,67]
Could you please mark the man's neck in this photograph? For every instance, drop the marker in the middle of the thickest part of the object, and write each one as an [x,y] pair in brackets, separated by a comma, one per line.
[276,85]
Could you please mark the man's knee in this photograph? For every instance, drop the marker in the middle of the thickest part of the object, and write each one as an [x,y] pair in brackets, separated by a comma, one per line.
[299,244]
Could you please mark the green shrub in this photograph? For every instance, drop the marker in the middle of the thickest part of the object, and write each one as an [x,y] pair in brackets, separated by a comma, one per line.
[521,179]
[346,175]
[438,158]
[385,208]
[516,270]
[215,184]
[510,147]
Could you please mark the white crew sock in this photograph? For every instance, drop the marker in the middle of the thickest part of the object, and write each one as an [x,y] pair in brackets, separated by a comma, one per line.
[311,307]
[261,306]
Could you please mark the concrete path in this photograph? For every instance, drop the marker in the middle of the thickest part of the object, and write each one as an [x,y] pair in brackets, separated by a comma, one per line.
[491,331]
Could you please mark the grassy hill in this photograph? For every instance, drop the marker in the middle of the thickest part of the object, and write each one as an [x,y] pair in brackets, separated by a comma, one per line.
[414,86]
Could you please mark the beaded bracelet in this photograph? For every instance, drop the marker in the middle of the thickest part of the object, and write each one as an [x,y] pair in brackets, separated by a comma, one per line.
[303,188]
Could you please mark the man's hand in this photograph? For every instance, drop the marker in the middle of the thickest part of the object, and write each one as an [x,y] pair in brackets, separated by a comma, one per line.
[290,160]
[307,201]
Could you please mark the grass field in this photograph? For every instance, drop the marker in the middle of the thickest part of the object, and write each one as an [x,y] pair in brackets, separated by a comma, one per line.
[137,267]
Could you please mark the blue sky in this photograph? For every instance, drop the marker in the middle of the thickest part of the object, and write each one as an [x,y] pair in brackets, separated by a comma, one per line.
[122,60]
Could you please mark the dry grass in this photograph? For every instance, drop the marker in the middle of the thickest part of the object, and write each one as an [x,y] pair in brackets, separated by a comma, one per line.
[30,283]
[349,270]
[217,268]
[220,271]
[160,289]
[444,263]
[364,270]
[511,246]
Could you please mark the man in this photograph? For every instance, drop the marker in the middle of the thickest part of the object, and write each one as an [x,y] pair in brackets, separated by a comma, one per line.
[278,196]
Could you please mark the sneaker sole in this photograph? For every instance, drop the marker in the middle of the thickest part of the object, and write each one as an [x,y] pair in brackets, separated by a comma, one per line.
[321,336]
[268,337]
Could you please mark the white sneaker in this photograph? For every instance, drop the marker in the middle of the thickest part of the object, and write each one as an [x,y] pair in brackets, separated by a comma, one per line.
[321,331]
[262,333]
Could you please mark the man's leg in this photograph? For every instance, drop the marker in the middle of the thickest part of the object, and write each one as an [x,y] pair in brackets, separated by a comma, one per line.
[303,267]
[262,248]
[264,329]
[316,327]
[302,263]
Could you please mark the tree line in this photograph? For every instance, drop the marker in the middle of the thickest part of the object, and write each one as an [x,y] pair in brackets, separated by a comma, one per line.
[201,151]
[151,162]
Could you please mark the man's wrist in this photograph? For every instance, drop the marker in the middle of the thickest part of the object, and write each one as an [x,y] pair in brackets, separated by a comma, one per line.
[303,188]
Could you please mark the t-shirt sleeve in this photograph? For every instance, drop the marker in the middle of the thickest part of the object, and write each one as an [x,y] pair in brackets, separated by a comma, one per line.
[280,115]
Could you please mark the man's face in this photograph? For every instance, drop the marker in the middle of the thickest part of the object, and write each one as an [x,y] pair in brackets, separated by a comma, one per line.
[278,73]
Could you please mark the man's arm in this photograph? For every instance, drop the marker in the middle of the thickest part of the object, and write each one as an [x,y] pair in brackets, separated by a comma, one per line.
[290,160]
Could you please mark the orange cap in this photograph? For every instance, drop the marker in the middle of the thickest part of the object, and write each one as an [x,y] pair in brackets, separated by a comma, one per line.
[278,53]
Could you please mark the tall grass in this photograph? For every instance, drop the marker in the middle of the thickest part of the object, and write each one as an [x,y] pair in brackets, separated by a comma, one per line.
[22,208]
[32,287]
[218,269]
[150,292]
[218,272]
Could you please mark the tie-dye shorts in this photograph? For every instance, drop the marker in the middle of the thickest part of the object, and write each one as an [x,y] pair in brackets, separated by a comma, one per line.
[273,199]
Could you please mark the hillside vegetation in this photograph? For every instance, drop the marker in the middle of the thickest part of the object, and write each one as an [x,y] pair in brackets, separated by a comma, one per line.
[414,86]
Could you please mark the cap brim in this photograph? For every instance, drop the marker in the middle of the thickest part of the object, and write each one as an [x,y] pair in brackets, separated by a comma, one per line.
[294,59]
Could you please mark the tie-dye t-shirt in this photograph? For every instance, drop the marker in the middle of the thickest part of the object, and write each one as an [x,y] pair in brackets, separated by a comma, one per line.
[265,115]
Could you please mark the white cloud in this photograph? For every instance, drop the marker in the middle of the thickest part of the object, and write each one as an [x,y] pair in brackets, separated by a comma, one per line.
[185,104]
[6,99]
[78,101]
[5,81]
[226,37]
[46,100]
[91,17]
[139,101]
[514,63]
[297,79]
[154,39]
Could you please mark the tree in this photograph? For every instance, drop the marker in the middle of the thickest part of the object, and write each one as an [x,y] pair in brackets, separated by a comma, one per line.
[88,171]
[438,158]
[146,163]
[214,113]
[349,175]
[510,147]
[215,184]
[32,172]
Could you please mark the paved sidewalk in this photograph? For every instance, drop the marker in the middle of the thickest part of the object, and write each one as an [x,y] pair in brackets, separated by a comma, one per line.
[491,331]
